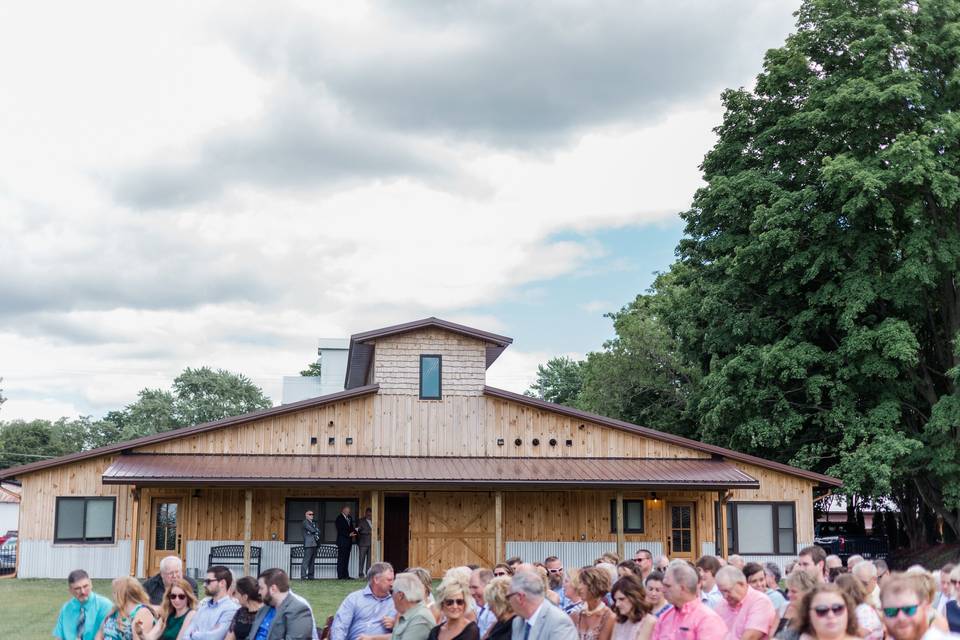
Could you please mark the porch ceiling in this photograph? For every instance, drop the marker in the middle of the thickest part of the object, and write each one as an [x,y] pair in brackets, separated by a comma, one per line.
[172,469]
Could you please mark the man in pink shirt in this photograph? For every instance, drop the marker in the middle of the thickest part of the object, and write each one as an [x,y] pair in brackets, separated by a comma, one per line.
[689,619]
[748,613]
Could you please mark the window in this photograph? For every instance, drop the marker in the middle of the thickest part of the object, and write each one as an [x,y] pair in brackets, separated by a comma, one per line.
[325,512]
[84,520]
[760,527]
[430,370]
[632,516]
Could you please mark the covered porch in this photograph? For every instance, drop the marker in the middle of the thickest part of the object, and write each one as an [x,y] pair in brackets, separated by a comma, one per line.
[429,512]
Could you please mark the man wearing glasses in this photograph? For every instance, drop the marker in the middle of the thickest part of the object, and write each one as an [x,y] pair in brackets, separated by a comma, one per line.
[644,560]
[311,536]
[905,612]
[536,619]
[215,613]
[556,577]
[171,570]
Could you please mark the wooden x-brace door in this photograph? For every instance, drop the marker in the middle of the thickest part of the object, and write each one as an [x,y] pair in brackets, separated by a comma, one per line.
[452,529]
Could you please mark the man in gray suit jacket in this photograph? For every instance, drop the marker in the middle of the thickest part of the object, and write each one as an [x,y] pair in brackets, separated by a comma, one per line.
[286,616]
[537,619]
[364,538]
[311,535]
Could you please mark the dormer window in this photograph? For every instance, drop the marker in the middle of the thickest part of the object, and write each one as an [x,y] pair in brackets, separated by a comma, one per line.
[430,367]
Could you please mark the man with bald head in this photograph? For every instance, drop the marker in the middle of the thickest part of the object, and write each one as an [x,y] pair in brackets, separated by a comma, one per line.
[171,570]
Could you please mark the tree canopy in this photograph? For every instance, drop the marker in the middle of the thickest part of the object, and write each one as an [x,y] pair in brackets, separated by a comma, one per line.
[813,311]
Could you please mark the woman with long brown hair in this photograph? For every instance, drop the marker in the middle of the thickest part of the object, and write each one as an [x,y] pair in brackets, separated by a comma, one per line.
[176,612]
[131,607]
[826,613]
[634,618]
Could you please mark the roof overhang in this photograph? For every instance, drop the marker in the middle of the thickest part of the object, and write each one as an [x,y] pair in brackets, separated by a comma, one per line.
[417,471]
[360,355]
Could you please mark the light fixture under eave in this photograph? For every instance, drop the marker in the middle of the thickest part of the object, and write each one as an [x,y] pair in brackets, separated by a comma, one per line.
[653,496]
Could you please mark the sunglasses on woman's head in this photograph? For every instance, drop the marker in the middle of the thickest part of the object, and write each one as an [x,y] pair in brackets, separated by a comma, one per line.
[454,601]
[893,612]
[823,609]
[178,596]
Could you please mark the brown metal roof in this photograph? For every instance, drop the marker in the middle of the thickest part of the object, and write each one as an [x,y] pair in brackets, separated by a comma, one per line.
[11,472]
[361,353]
[663,437]
[164,469]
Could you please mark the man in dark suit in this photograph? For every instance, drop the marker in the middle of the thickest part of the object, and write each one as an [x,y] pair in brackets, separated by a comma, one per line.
[284,615]
[346,534]
[311,535]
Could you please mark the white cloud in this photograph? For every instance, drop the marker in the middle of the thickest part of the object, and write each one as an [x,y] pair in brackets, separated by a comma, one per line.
[288,206]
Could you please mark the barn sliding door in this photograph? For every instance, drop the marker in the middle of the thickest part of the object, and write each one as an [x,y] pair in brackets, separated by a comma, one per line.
[452,529]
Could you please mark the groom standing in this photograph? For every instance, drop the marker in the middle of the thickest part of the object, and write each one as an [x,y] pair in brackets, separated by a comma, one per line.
[346,534]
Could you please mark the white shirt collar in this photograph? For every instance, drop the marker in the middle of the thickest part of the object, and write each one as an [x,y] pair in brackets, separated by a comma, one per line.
[536,614]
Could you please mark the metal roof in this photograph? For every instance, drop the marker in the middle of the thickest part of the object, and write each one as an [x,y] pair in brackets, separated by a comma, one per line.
[361,351]
[678,473]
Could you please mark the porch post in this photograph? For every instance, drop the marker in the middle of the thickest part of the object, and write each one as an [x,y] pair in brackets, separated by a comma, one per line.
[621,542]
[498,518]
[722,498]
[376,554]
[247,529]
[135,532]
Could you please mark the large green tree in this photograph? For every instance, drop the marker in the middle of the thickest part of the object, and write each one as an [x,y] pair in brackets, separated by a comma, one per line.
[559,380]
[816,285]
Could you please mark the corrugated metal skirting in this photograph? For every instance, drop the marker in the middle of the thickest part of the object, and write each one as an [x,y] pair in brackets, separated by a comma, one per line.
[43,559]
[576,554]
[274,553]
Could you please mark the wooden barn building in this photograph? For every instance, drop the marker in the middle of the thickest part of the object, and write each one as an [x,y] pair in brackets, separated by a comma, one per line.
[456,472]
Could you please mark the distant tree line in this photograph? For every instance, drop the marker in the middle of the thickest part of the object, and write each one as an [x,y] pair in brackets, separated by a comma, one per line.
[813,310]
[196,396]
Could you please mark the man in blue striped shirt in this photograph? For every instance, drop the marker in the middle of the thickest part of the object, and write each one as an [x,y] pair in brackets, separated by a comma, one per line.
[369,611]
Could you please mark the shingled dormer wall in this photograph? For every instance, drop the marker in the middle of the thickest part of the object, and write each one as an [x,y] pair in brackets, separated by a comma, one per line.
[396,362]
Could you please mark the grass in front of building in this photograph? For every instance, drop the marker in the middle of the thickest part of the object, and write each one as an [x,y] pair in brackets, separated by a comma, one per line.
[29,608]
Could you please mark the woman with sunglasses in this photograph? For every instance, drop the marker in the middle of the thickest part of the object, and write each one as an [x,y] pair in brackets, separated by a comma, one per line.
[176,612]
[454,599]
[826,613]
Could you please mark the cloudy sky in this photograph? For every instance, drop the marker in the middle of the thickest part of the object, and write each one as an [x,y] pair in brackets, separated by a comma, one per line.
[186,184]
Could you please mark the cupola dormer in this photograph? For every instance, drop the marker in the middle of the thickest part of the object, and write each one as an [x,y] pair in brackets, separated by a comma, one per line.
[428,358]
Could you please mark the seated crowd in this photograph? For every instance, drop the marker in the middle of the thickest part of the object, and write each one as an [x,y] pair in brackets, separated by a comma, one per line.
[816,598]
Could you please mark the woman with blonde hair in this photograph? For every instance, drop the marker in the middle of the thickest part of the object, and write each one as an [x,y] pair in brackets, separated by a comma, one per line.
[495,595]
[799,584]
[176,612]
[595,620]
[453,598]
[131,608]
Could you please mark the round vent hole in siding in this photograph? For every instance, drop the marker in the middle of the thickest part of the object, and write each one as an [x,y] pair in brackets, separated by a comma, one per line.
[518,442]
[535,442]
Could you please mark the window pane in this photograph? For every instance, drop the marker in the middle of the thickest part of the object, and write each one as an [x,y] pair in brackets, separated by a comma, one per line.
[786,541]
[633,512]
[295,516]
[69,519]
[166,527]
[430,376]
[755,528]
[785,515]
[99,519]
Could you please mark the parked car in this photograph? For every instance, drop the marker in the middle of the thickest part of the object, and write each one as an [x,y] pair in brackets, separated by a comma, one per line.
[842,539]
[12,533]
[8,555]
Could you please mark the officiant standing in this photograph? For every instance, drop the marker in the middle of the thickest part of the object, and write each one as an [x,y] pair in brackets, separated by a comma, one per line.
[346,534]
[311,536]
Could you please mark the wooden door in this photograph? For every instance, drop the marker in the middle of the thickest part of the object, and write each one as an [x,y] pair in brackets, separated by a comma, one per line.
[452,529]
[165,534]
[681,531]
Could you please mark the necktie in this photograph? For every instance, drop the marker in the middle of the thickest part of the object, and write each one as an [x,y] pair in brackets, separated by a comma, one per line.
[81,622]
[526,631]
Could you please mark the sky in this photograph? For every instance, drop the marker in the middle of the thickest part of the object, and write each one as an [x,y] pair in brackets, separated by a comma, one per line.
[223,183]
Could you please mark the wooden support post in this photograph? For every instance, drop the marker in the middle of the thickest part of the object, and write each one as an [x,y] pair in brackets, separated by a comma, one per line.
[723,542]
[376,553]
[247,529]
[135,532]
[621,541]
[498,518]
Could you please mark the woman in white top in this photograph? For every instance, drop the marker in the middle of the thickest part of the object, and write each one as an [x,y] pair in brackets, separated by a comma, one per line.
[634,618]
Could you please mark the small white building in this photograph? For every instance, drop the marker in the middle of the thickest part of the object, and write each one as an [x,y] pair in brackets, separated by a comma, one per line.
[9,508]
[332,355]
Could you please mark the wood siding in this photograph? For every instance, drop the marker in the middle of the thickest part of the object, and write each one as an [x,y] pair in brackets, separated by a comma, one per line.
[452,529]
[404,425]
[396,362]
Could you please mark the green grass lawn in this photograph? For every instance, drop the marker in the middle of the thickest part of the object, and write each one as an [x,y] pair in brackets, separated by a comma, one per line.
[28,608]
